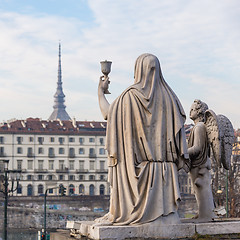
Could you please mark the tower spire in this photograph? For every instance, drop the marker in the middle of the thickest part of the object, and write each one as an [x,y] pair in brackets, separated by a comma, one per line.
[59,111]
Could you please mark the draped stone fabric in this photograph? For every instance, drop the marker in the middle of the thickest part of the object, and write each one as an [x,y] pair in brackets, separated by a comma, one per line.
[146,144]
[198,145]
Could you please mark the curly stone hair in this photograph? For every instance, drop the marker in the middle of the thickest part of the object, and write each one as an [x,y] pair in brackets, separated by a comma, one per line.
[201,108]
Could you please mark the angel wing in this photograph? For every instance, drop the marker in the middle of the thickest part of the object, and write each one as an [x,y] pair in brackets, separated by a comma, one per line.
[213,134]
[226,139]
[220,137]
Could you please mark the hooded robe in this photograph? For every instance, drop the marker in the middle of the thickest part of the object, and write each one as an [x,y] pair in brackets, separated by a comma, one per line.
[146,144]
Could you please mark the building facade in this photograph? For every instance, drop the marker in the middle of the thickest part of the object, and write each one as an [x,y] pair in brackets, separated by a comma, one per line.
[52,153]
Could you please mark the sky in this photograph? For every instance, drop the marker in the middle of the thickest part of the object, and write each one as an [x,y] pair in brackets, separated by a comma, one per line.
[197,43]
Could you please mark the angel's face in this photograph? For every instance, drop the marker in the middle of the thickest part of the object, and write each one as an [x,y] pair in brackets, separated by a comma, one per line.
[193,112]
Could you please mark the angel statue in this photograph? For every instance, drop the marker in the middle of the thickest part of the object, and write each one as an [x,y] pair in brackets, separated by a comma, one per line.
[214,132]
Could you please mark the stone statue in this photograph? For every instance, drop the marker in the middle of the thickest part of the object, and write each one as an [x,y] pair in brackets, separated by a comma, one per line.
[214,131]
[146,146]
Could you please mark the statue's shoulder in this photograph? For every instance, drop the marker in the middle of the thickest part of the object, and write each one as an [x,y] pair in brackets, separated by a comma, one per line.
[200,126]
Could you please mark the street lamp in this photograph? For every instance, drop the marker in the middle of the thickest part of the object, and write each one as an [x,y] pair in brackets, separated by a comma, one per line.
[10,179]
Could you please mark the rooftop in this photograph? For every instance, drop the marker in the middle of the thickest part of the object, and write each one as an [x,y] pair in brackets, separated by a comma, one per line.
[36,125]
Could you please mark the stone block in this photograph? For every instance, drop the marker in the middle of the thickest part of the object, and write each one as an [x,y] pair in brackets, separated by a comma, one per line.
[213,228]
[139,231]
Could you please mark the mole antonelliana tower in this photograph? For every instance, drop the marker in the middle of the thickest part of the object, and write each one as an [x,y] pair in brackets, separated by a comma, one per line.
[59,111]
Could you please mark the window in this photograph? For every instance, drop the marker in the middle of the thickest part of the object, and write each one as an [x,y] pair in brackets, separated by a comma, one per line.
[19,189]
[19,150]
[91,140]
[51,152]
[101,140]
[81,140]
[40,164]
[71,152]
[1,140]
[50,190]
[71,139]
[71,177]
[102,177]
[81,151]
[61,164]
[40,150]
[29,177]
[40,189]
[61,150]
[91,151]
[71,189]
[102,165]
[102,189]
[40,140]
[81,189]
[81,164]
[50,164]
[19,140]
[29,190]
[71,165]
[61,140]
[30,152]
[30,139]
[19,164]
[91,189]
[81,177]
[52,139]
[30,164]
[91,177]
[101,151]
[61,177]
[40,177]
[50,177]
[91,167]
[1,151]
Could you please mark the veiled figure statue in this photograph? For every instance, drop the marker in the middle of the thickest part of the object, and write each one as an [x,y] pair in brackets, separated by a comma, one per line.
[214,132]
[146,146]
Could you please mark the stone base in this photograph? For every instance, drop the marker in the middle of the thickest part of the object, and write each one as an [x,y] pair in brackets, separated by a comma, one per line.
[146,231]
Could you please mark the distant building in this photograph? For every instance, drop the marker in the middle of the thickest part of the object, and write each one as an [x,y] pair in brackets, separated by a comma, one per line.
[51,153]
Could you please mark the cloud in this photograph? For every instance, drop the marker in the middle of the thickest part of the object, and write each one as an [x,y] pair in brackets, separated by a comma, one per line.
[197,43]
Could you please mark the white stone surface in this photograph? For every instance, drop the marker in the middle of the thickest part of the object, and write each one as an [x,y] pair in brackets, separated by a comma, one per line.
[142,231]
[145,231]
[218,228]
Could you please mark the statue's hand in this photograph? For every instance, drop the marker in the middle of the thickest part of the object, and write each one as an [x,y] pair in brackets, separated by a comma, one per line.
[104,84]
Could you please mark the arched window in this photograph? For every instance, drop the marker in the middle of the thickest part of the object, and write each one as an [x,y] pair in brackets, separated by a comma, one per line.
[81,189]
[102,189]
[91,190]
[29,190]
[81,151]
[51,152]
[91,151]
[71,152]
[101,151]
[71,189]
[19,150]
[61,150]
[40,189]
[19,189]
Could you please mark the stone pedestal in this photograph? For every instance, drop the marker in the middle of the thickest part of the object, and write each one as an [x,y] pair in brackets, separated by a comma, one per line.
[146,231]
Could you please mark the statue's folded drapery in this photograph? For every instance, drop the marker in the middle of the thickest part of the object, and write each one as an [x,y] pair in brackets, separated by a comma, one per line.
[146,144]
